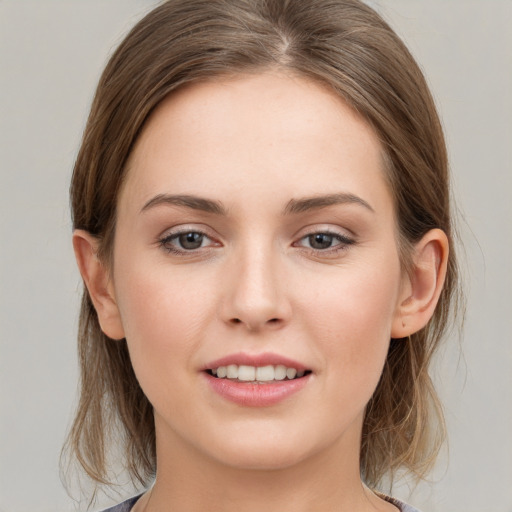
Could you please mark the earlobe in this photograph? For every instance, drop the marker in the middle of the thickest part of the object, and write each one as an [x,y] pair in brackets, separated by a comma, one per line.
[98,283]
[425,281]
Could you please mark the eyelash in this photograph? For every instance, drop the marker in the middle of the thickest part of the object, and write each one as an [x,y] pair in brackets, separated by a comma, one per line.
[166,242]
[344,242]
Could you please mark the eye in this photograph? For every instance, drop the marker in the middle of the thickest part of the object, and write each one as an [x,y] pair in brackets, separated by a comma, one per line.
[325,241]
[185,241]
[191,240]
[321,241]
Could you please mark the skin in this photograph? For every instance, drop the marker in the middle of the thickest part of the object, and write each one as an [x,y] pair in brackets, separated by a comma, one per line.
[254,144]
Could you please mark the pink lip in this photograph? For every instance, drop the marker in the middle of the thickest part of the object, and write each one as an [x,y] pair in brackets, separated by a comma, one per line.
[250,394]
[256,395]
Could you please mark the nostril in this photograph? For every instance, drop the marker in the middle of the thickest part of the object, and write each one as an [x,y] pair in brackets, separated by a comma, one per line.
[253,326]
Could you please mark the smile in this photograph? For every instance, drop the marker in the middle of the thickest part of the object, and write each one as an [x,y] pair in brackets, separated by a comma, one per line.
[256,380]
[257,374]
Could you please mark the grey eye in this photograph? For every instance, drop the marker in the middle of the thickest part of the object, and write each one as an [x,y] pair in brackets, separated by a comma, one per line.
[191,240]
[321,240]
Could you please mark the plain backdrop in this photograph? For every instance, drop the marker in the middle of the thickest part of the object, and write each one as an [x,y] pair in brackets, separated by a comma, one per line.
[51,55]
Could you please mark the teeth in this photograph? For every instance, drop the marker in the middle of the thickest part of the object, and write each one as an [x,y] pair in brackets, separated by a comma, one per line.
[246,373]
[291,372]
[280,372]
[232,371]
[265,373]
[257,373]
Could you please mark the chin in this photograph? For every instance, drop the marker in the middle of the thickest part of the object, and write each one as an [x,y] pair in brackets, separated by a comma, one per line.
[271,451]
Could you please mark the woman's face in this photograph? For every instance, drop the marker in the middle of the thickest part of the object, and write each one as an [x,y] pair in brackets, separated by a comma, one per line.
[255,231]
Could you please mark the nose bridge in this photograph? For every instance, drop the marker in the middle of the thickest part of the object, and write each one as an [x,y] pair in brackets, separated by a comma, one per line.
[256,296]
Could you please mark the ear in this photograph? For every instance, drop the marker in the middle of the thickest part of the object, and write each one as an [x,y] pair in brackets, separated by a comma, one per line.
[423,285]
[98,282]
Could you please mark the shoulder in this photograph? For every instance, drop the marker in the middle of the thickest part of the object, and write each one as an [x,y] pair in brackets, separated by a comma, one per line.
[403,507]
[126,506]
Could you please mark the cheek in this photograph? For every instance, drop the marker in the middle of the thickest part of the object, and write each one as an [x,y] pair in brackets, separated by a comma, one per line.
[356,300]
[163,316]
[352,322]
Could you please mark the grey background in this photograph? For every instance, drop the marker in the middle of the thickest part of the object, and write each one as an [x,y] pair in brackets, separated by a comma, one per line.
[51,54]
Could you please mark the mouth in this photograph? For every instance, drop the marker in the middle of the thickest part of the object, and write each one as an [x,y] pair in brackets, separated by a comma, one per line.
[257,374]
[257,380]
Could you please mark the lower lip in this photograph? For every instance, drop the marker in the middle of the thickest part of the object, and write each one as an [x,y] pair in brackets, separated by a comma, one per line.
[256,395]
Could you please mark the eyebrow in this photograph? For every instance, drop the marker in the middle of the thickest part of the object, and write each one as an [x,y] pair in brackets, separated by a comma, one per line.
[305,204]
[294,206]
[188,201]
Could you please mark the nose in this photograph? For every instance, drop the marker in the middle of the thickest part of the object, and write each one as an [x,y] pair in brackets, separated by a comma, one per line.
[255,296]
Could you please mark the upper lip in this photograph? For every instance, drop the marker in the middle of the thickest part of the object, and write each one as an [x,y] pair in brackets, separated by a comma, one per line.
[264,359]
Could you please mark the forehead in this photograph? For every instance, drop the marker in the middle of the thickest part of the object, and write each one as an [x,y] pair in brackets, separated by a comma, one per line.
[247,132]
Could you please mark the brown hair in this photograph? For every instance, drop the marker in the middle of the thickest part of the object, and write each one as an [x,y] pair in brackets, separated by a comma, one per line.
[342,44]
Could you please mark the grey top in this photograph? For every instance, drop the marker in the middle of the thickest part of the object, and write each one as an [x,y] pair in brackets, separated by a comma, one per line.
[127,505]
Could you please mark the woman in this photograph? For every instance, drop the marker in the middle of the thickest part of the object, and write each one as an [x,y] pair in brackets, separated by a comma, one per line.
[262,223]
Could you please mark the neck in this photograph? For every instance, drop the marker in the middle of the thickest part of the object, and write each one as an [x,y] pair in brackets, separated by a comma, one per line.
[188,481]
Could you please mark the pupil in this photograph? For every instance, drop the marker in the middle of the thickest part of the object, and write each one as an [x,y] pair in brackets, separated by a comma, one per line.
[320,241]
[191,240]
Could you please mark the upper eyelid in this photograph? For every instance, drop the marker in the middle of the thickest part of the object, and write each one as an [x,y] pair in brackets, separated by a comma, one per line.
[327,229]
[176,234]
[184,228]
